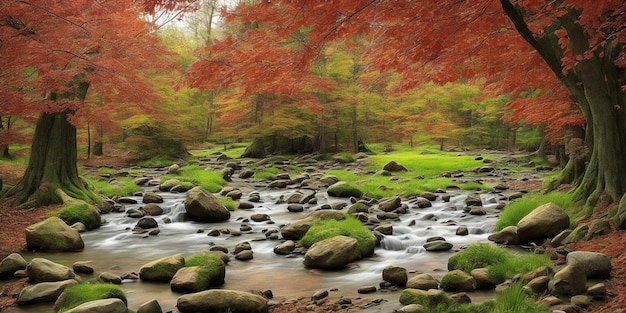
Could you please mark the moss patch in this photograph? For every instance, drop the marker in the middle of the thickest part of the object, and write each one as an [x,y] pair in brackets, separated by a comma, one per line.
[78,294]
[86,214]
[351,227]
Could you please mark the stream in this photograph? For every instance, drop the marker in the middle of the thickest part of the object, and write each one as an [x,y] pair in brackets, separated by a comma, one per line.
[115,248]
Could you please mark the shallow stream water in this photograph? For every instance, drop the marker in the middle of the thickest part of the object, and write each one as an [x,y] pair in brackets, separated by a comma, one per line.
[117,249]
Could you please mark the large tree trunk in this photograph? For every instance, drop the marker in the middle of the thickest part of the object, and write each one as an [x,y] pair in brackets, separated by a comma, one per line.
[52,165]
[594,84]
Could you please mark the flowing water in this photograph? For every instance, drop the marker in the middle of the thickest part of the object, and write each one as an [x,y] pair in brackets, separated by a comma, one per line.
[117,249]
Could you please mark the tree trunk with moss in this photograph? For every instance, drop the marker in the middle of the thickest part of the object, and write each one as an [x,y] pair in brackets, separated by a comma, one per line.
[53,161]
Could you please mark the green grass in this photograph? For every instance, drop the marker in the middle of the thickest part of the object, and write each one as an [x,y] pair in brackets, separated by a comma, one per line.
[121,186]
[351,227]
[517,209]
[407,185]
[211,267]
[514,299]
[344,157]
[86,292]
[233,150]
[266,173]
[210,180]
[500,263]
[229,203]
[107,170]
[156,161]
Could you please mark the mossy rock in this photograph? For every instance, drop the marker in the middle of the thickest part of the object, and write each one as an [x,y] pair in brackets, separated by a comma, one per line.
[76,295]
[358,208]
[458,280]
[162,269]
[83,213]
[431,298]
[344,190]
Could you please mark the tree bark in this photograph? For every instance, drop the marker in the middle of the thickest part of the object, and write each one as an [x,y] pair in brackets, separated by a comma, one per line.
[52,165]
[594,84]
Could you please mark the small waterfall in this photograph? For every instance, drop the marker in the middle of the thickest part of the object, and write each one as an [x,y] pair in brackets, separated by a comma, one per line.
[409,244]
[392,243]
[176,212]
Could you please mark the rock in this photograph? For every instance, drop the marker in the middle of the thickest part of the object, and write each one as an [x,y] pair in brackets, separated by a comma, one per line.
[577,234]
[411,308]
[366,289]
[147,223]
[169,184]
[473,200]
[245,205]
[10,264]
[430,298]
[173,169]
[205,207]
[153,209]
[297,229]
[422,282]
[244,255]
[301,196]
[598,227]
[343,190]
[260,217]
[319,295]
[395,275]
[591,264]
[393,166]
[295,208]
[559,239]
[458,280]
[221,300]
[430,196]
[82,267]
[461,298]
[80,227]
[53,234]
[568,281]
[597,291]
[581,301]
[246,174]
[462,231]
[423,203]
[43,270]
[151,306]
[438,245]
[44,292]
[385,229]
[242,246]
[545,221]
[192,279]
[483,281]
[388,205]
[235,194]
[332,253]
[538,285]
[285,248]
[152,197]
[110,278]
[162,269]
[110,305]
[507,236]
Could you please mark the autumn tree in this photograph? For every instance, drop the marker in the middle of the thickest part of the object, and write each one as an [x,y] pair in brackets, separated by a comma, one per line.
[570,49]
[56,53]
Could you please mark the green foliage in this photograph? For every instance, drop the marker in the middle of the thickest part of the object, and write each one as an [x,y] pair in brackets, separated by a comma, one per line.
[229,203]
[514,299]
[86,292]
[344,157]
[266,173]
[148,137]
[159,160]
[514,265]
[211,267]
[83,213]
[421,297]
[499,263]
[120,186]
[107,170]
[210,180]
[351,227]
[516,210]
[477,256]
[233,150]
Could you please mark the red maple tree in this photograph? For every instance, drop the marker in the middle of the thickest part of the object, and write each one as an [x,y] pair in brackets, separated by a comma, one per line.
[55,53]
[570,50]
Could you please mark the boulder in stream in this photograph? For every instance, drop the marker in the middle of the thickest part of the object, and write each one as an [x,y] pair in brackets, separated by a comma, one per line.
[12,263]
[332,253]
[43,270]
[111,305]
[545,221]
[53,234]
[162,269]
[203,206]
[222,300]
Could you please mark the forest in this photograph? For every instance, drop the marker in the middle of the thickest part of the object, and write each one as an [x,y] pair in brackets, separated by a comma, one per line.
[157,77]
[150,80]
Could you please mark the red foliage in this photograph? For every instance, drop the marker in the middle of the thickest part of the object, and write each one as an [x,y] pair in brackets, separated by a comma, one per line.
[276,41]
[47,45]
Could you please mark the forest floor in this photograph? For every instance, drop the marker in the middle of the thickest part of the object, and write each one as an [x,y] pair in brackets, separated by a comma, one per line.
[13,221]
